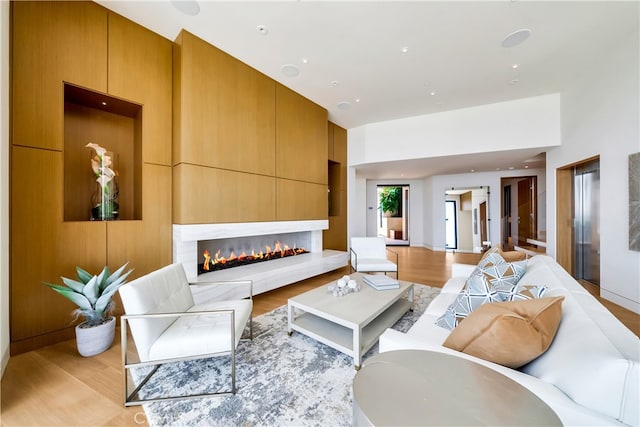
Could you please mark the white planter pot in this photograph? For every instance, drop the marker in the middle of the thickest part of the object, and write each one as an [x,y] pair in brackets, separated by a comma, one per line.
[96,339]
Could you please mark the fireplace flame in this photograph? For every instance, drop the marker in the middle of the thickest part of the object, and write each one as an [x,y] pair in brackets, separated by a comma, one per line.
[218,261]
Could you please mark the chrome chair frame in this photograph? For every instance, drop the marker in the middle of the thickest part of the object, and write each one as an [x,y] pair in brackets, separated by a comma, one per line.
[355,255]
[129,397]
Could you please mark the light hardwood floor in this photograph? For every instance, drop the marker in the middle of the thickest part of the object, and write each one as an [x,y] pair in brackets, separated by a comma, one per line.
[54,386]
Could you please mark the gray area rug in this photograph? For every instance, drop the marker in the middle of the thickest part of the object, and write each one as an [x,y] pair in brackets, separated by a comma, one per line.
[282,380]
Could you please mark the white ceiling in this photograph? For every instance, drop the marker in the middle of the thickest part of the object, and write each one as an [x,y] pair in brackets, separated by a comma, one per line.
[454,51]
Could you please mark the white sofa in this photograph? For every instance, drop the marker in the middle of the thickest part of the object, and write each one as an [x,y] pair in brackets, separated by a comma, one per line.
[590,374]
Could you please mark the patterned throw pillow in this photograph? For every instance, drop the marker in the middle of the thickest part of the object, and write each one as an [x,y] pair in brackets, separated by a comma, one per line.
[521,292]
[491,257]
[505,273]
[477,291]
[494,280]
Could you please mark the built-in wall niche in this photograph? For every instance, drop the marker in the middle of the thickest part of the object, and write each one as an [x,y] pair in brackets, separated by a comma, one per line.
[115,125]
[334,188]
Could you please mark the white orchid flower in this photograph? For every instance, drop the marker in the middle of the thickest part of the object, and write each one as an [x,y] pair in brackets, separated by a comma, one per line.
[95,165]
[98,149]
[106,161]
[100,164]
[108,172]
[103,180]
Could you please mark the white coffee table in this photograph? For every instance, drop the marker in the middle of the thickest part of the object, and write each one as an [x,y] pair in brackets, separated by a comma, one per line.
[352,323]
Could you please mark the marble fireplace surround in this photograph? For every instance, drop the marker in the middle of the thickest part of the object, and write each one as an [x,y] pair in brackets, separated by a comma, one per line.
[265,275]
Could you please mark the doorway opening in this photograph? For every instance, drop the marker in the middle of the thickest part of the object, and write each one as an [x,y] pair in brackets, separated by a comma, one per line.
[452,225]
[519,212]
[393,214]
[467,219]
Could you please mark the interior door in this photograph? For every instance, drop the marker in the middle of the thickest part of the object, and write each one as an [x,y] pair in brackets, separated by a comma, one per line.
[483,222]
[526,210]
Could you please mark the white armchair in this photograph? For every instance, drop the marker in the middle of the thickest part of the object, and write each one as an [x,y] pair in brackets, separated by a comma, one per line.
[369,254]
[167,325]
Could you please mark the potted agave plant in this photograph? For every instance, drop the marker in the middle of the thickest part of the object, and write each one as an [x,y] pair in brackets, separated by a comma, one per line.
[93,296]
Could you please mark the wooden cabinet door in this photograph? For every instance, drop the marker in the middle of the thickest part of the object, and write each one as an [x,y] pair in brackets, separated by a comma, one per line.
[301,138]
[140,71]
[147,244]
[43,246]
[338,143]
[204,195]
[53,42]
[225,111]
[297,200]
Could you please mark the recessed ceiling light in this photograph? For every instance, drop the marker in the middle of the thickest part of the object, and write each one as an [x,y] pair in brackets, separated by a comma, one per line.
[305,60]
[290,70]
[262,29]
[405,49]
[515,38]
[188,7]
[473,170]
[432,93]
[335,83]
[526,166]
[515,66]
[357,99]
[511,168]
[104,103]
[344,105]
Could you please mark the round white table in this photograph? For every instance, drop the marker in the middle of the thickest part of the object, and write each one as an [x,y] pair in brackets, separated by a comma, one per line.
[415,387]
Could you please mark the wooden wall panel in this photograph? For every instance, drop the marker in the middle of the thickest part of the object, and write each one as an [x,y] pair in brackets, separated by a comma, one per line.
[297,200]
[339,138]
[564,218]
[301,138]
[140,71]
[43,247]
[227,110]
[152,246]
[330,149]
[53,42]
[335,237]
[208,195]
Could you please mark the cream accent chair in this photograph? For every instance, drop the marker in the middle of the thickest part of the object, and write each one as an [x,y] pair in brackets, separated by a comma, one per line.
[369,255]
[169,325]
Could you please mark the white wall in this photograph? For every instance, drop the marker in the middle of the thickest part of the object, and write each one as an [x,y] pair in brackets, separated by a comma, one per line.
[356,205]
[525,123]
[4,184]
[600,116]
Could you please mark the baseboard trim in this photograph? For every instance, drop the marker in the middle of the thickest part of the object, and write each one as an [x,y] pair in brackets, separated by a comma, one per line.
[621,301]
[5,361]
[39,341]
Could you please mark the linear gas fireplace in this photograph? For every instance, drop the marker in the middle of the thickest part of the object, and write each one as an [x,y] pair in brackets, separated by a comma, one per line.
[220,254]
[252,242]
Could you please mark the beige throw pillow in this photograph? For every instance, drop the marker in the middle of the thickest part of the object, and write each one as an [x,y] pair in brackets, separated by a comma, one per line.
[511,333]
